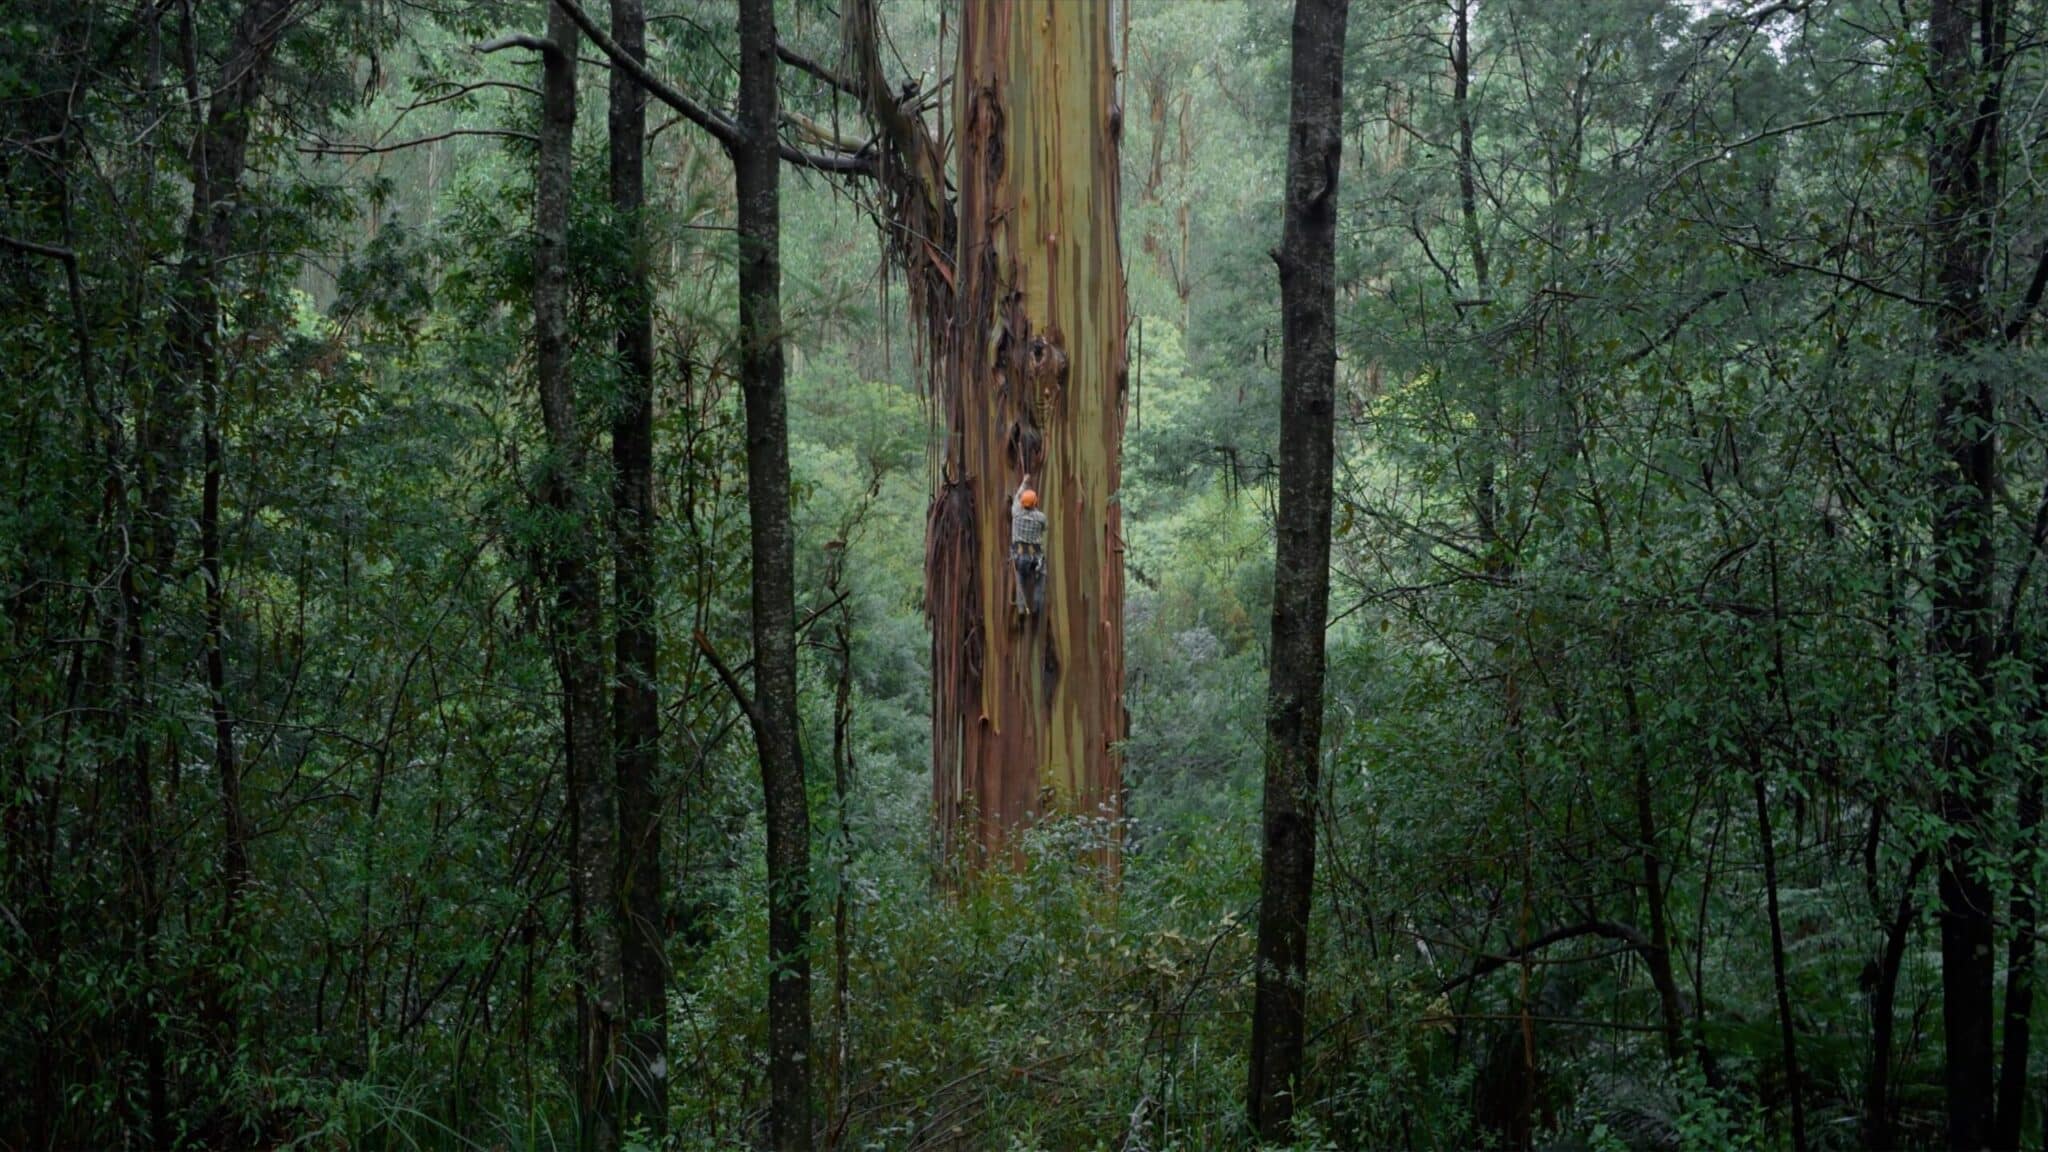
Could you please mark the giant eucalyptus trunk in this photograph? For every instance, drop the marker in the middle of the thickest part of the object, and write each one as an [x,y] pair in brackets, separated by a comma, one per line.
[1301,571]
[773,712]
[578,609]
[636,700]
[1962,162]
[1018,281]
[1028,710]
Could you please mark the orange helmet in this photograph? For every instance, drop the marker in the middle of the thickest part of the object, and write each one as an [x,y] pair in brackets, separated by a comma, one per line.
[1028,498]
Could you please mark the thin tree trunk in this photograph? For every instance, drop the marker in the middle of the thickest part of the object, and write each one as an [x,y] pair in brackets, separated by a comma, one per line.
[842,789]
[234,865]
[162,458]
[1877,1108]
[636,699]
[1787,1031]
[578,616]
[1658,959]
[2019,970]
[1468,167]
[774,711]
[1961,634]
[1301,569]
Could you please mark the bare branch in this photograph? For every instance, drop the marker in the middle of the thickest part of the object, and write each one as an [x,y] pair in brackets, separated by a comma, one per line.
[332,148]
[721,129]
[1722,151]
[33,247]
[516,40]
[803,63]
[2017,326]
[732,683]
[1601,928]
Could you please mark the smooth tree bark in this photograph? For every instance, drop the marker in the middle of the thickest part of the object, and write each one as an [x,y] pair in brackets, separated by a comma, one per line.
[576,633]
[757,168]
[1301,567]
[1961,172]
[636,697]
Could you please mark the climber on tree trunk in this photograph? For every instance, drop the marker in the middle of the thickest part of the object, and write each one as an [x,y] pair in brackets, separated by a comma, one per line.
[1027,547]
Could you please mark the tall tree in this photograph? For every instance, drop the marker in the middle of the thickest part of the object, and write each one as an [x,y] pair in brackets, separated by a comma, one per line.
[192,370]
[1028,708]
[1307,258]
[1963,160]
[757,167]
[1024,312]
[578,619]
[636,699]
[751,141]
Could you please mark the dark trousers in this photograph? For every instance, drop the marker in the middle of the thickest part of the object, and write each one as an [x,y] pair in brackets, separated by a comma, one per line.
[1029,560]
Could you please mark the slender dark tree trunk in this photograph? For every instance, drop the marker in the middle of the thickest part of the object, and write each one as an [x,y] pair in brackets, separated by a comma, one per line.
[234,863]
[842,789]
[774,710]
[1877,1109]
[2019,960]
[1962,154]
[1468,168]
[578,611]
[636,701]
[162,460]
[1301,569]
[1788,1034]
[1663,976]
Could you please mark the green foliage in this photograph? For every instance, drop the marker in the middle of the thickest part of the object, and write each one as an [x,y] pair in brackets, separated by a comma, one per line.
[1633,528]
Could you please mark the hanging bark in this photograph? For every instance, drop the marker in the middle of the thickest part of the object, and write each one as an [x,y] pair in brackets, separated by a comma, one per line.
[636,698]
[577,633]
[1962,163]
[1301,570]
[757,166]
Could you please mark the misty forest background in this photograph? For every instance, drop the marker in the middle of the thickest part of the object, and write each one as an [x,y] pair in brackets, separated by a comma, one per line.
[1683,730]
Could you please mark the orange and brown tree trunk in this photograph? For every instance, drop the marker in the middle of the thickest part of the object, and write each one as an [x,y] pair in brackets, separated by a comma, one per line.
[1027,710]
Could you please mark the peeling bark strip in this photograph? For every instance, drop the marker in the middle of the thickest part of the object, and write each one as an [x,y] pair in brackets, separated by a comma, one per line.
[1029,371]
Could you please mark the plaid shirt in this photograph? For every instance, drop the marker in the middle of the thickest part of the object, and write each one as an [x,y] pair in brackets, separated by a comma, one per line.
[1027,525]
